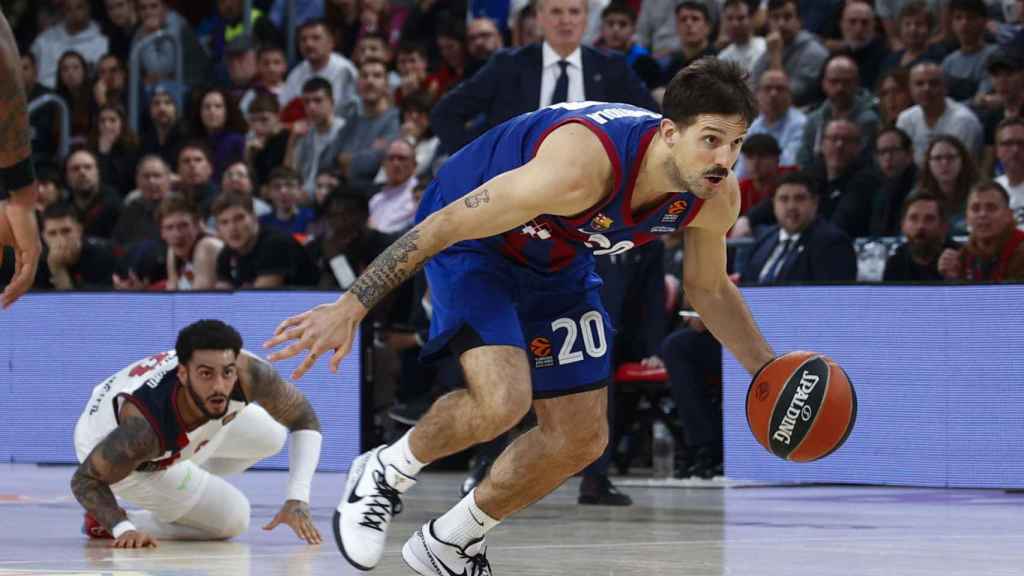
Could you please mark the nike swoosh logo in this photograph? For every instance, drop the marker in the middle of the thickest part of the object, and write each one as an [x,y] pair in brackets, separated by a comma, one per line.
[475,519]
[438,559]
[354,498]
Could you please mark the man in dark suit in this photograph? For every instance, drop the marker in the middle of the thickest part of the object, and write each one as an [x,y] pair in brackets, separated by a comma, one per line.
[802,247]
[556,70]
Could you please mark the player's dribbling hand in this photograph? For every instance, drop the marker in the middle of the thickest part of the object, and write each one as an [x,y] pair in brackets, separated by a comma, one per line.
[135,539]
[324,328]
[295,514]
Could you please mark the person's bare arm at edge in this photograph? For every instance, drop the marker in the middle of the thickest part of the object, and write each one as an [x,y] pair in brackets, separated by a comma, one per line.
[570,173]
[19,228]
[708,288]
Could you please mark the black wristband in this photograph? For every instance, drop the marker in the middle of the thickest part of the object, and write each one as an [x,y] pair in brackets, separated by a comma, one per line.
[18,176]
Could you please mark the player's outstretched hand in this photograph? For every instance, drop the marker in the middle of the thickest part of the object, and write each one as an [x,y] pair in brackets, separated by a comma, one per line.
[295,513]
[324,328]
[135,539]
[18,229]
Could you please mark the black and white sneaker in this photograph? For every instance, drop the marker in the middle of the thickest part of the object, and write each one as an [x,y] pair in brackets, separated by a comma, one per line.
[372,498]
[429,556]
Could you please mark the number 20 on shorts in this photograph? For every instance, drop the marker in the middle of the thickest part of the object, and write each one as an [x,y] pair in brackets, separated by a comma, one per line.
[591,328]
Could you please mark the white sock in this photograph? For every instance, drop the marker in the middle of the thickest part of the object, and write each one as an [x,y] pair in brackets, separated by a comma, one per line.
[464,523]
[400,456]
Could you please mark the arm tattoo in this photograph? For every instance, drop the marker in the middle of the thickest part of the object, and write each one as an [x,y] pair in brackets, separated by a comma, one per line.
[111,461]
[14,129]
[398,263]
[475,199]
[283,401]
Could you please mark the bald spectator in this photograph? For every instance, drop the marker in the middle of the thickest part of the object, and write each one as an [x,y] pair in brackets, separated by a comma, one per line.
[995,247]
[844,98]
[138,219]
[524,79]
[792,49]
[777,117]
[934,113]
[859,40]
[393,208]
[319,60]
[98,206]
[737,23]
[76,32]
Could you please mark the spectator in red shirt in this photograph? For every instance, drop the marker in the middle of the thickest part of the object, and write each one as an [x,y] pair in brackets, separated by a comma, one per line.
[761,153]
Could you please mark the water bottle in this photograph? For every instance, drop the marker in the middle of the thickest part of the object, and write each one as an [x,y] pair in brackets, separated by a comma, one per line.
[663,451]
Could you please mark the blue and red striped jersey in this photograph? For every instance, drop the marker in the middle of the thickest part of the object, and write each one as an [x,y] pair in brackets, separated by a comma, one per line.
[550,243]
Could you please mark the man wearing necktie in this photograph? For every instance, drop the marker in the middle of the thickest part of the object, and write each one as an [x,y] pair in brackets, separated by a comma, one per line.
[802,247]
[557,70]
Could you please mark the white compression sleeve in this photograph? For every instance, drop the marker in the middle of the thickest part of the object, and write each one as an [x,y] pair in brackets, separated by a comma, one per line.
[303,457]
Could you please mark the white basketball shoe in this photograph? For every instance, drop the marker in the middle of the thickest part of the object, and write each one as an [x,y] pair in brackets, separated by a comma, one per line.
[429,556]
[372,498]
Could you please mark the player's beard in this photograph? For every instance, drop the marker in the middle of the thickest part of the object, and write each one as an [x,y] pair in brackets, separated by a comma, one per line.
[201,404]
[694,183]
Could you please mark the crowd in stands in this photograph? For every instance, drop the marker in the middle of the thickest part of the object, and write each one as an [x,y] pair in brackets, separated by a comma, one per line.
[900,120]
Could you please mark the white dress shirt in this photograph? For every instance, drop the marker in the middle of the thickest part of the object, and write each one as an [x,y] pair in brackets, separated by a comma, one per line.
[777,254]
[551,71]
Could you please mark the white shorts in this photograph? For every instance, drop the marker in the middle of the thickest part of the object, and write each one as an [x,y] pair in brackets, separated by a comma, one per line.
[171,493]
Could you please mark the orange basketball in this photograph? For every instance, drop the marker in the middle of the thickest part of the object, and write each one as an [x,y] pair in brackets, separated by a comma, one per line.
[801,406]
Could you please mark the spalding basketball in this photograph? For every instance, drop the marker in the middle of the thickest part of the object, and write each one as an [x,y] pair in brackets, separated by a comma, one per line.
[801,406]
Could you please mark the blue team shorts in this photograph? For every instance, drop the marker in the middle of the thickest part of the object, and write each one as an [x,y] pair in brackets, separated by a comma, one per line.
[480,298]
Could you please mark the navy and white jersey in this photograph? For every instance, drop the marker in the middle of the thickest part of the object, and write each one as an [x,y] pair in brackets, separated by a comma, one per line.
[551,243]
[151,385]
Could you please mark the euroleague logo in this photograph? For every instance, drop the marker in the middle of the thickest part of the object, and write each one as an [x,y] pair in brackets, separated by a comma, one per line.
[762,391]
[541,349]
[677,207]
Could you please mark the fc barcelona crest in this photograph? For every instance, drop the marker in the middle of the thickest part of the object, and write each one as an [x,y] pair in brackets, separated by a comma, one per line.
[601,223]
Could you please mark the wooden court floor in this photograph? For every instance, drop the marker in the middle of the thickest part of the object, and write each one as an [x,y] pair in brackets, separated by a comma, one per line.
[756,531]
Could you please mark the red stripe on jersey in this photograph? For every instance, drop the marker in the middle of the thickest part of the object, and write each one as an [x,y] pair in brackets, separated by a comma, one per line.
[512,247]
[613,157]
[561,253]
[698,203]
[634,172]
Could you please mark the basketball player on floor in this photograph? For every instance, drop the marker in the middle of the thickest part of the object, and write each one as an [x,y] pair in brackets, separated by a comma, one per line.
[160,433]
[507,232]
[18,227]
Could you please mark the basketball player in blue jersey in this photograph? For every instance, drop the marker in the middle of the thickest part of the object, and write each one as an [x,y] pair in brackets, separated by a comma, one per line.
[507,233]
[18,228]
